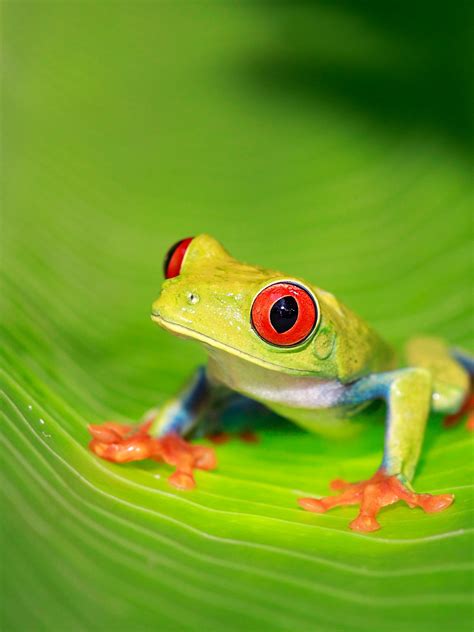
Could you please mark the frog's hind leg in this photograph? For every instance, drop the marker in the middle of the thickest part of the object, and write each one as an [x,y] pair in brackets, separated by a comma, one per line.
[161,436]
[452,372]
[234,417]
[466,360]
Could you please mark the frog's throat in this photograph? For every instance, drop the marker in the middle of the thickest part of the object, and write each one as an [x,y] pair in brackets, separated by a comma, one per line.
[181,330]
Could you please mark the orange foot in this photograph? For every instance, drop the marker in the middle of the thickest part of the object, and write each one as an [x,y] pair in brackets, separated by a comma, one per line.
[466,409]
[247,436]
[377,492]
[123,443]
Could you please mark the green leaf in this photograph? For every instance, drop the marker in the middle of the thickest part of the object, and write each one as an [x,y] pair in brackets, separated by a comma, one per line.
[309,139]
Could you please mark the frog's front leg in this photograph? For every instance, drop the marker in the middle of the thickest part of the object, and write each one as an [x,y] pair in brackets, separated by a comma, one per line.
[160,437]
[408,395]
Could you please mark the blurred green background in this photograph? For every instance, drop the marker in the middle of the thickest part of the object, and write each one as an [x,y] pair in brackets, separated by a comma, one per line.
[331,140]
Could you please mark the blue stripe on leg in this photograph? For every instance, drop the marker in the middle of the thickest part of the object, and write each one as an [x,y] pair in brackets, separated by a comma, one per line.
[181,414]
[465,359]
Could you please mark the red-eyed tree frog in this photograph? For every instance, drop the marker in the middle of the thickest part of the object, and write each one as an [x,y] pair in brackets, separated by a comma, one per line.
[296,349]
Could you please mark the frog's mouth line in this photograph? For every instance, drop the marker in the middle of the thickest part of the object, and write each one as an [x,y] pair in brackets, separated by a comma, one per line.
[207,340]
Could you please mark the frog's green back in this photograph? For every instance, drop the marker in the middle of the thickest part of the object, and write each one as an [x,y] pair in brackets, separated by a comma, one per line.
[352,348]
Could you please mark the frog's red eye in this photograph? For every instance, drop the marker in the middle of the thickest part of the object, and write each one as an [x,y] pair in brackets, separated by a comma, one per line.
[174,258]
[284,314]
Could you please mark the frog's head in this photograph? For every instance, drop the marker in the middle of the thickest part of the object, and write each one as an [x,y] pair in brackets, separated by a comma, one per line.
[257,314]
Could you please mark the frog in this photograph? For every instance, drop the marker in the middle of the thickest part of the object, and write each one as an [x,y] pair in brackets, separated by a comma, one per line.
[281,342]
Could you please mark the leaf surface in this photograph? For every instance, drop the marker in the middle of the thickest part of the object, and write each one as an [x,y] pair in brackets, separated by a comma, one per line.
[129,128]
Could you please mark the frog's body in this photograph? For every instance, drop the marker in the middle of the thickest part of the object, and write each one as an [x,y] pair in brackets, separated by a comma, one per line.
[312,402]
[296,349]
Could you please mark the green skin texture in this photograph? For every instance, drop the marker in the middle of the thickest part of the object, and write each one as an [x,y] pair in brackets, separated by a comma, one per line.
[210,301]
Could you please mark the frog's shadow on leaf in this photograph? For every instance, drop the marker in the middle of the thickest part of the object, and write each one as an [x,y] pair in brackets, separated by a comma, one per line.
[367,442]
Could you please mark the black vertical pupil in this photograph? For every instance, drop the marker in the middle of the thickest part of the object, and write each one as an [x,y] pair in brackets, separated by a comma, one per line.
[284,314]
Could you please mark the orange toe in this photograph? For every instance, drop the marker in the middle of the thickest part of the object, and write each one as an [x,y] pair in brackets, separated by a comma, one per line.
[103,434]
[249,436]
[122,451]
[312,504]
[338,484]
[182,480]
[364,524]
[219,437]
[204,458]
[433,504]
